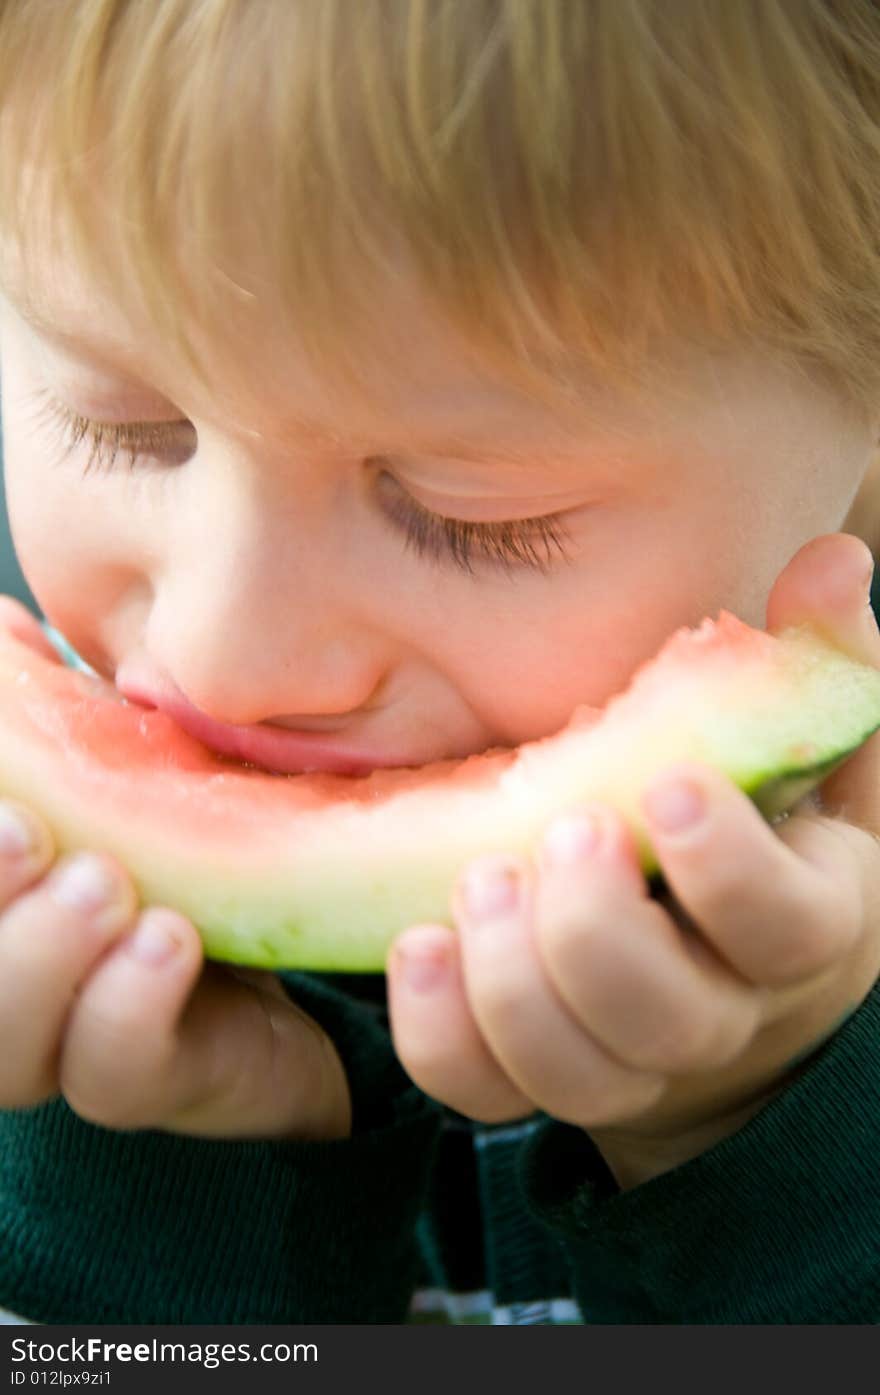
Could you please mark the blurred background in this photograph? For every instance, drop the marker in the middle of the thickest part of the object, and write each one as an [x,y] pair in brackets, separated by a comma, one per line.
[12,583]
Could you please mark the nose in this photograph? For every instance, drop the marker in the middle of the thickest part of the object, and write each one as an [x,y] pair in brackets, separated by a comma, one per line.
[259,615]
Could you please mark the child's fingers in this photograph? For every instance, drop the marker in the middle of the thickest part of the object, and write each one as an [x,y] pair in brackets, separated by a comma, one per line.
[159,1039]
[532,1034]
[50,937]
[26,850]
[621,964]
[120,1065]
[435,1035]
[776,915]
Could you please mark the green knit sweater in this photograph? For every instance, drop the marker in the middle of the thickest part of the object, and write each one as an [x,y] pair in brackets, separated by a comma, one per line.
[777,1224]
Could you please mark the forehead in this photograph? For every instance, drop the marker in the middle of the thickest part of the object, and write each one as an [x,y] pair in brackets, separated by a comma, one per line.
[412,364]
[419,384]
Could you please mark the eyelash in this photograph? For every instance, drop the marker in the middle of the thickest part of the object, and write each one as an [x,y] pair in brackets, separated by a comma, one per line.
[107,440]
[528,543]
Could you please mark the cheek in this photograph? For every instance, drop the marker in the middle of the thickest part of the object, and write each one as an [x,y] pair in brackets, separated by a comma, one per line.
[579,637]
[38,497]
[572,640]
[60,525]
[533,681]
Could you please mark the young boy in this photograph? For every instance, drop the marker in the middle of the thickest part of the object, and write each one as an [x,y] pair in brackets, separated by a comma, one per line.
[384,380]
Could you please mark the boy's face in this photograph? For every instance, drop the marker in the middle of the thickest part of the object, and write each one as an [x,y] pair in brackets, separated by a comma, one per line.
[256,560]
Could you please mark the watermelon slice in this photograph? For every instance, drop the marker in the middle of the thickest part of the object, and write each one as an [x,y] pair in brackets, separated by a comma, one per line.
[321,871]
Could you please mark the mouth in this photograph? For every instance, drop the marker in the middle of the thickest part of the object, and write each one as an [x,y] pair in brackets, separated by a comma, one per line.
[278,750]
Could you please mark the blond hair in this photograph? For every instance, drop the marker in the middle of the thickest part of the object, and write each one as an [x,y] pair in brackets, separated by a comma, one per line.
[577,181]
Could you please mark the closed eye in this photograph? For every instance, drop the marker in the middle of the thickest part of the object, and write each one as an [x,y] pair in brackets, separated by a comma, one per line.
[171,442]
[521,543]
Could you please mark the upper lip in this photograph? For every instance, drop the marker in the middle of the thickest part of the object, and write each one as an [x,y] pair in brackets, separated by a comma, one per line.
[274,748]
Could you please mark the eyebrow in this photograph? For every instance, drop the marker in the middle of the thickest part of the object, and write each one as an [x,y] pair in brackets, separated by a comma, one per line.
[460,445]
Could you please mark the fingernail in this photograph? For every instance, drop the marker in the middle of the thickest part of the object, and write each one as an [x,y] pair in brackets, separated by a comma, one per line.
[423,968]
[16,835]
[674,805]
[85,883]
[571,837]
[490,889]
[154,942]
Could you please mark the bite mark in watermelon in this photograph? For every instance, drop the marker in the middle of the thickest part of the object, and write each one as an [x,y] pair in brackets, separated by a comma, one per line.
[322,871]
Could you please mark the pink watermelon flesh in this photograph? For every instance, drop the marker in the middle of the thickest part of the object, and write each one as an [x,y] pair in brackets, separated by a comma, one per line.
[321,871]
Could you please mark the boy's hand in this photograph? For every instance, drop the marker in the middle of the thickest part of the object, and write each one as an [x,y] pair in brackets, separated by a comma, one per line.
[114,1007]
[116,1010]
[661,1026]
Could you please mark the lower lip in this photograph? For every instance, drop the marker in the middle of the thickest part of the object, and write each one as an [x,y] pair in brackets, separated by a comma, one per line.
[282,752]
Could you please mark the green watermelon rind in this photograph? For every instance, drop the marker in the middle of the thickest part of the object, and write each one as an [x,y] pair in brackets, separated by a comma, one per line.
[773,794]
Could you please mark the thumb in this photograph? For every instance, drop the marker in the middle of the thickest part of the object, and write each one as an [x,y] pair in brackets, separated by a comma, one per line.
[827,585]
